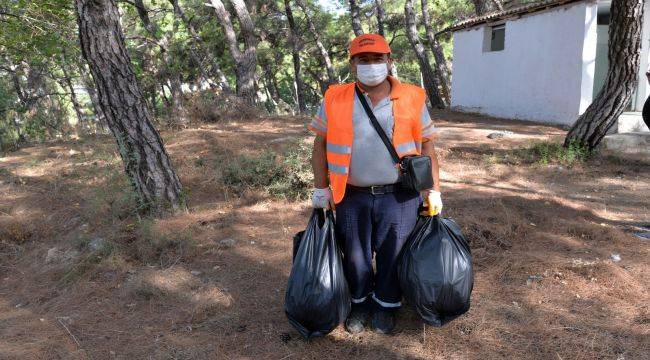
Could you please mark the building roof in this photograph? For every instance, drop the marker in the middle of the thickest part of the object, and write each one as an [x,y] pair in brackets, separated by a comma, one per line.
[508,13]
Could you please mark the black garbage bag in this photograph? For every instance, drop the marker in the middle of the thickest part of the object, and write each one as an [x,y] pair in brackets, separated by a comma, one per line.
[317,299]
[296,244]
[435,270]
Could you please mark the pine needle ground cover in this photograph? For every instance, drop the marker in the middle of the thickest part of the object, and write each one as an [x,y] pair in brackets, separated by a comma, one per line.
[85,276]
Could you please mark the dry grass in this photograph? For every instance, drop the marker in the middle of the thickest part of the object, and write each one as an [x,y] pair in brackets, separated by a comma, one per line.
[210,107]
[542,236]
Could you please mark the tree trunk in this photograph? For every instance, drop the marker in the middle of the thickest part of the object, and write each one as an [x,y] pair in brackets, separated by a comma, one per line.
[245,62]
[196,59]
[331,74]
[268,77]
[295,53]
[67,81]
[276,87]
[483,7]
[430,82]
[381,16]
[34,89]
[322,83]
[215,69]
[174,77]
[497,5]
[480,7]
[143,14]
[441,69]
[164,97]
[176,87]
[622,75]
[146,162]
[268,89]
[100,119]
[356,21]
[273,67]
[247,68]
[22,98]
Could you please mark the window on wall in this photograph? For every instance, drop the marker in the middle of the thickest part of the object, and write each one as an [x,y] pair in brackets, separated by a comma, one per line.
[497,37]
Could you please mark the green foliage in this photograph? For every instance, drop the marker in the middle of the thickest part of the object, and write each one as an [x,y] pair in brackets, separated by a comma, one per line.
[33,106]
[41,38]
[38,119]
[286,175]
[540,154]
[545,153]
[8,133]
[36,30]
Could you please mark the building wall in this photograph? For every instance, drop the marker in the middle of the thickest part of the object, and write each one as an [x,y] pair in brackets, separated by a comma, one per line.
[545,73]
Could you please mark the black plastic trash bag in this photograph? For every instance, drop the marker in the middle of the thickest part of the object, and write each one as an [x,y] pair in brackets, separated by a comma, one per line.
[435,270]
[296,244]
[317,298]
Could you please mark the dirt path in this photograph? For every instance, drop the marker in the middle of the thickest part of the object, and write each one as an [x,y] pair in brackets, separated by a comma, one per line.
[542,237]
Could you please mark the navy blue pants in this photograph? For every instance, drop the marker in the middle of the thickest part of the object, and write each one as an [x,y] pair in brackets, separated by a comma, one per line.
[378,224]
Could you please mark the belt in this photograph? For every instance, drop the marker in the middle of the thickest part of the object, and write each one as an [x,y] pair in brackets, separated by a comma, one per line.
[377,189]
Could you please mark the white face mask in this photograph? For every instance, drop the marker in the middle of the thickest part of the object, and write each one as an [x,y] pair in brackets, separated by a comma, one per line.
[372,74]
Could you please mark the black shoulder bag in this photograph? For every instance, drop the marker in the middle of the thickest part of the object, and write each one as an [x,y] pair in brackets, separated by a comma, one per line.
[415,169]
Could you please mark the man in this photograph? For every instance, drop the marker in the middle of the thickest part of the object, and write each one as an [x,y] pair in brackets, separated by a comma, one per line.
[374,215]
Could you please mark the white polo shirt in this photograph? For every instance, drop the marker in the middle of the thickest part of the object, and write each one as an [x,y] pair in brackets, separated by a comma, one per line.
[371,163]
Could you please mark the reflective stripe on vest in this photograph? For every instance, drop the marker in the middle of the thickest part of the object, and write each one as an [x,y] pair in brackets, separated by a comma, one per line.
[405,148]
[408,101]
[339,149]
[337,169]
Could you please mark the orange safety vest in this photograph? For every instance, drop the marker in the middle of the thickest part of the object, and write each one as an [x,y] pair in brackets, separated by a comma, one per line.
[408,101]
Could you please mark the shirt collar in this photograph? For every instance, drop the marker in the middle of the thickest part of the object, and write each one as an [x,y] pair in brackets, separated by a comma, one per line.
[395,88]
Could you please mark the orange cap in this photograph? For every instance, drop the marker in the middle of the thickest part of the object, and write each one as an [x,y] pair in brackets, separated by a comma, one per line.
[373,43]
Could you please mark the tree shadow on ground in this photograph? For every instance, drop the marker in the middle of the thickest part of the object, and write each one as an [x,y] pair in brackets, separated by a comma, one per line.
[535,295]
[506,320]
[512,237]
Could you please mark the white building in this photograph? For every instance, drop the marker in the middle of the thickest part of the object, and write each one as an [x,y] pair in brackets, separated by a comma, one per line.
[543,62]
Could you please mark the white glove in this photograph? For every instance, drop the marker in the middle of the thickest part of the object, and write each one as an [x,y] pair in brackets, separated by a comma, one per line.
[320,199]
[433,200]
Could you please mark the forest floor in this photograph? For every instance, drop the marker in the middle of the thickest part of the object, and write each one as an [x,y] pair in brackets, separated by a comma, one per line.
[83,277]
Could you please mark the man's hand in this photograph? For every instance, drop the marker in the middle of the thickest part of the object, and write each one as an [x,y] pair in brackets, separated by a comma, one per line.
[433,201]
[321,198]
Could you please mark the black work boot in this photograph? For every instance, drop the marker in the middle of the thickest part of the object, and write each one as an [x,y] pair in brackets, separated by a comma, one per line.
[356,321]
[383,321]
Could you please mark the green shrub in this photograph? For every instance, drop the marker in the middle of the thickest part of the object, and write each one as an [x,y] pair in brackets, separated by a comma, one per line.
[287,175]
[545,153]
